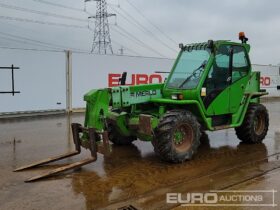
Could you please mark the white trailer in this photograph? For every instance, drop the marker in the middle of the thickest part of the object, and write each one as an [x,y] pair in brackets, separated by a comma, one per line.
[270,79]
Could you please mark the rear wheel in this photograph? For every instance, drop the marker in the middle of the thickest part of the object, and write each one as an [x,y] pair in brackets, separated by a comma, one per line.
[177,136]
[255,124]
[116,138]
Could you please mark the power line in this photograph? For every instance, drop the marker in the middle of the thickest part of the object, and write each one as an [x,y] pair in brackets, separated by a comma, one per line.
[40,12]
[70,25]
[135,38]
[29,40]
[168,37]
[127,19]
[57,5]
[40,42]
[147,30]
[126,48]
[25,42]
[128,37]
[34,40]
[46,50]
[140,42]
[29,49]
[76,9]
[41,22]
[140,28]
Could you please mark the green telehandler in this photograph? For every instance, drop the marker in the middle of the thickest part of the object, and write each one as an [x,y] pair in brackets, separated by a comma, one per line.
[210,87]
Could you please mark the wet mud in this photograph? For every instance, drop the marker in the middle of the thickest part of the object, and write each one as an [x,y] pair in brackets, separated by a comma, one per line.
[130,175]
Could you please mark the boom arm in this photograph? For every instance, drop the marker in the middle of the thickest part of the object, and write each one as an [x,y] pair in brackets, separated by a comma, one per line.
[97,108]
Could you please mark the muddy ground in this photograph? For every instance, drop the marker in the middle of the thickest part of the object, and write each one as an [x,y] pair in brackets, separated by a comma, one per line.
[131,175]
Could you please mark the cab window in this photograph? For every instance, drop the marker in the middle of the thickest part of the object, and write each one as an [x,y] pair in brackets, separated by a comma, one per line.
[240,65]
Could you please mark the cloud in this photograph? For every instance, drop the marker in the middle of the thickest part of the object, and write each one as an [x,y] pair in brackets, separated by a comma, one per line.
[183,20]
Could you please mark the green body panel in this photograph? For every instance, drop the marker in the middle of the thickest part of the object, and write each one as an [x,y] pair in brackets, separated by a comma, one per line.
[221,104]
[97,108]
[132,108]
[236,92]
[125,96]
[229,100]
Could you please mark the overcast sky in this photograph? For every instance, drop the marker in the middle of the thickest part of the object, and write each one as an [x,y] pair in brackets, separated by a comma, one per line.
[184,21]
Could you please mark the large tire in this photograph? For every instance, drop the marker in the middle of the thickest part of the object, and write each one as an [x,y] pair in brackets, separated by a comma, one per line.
[255,124]
[177,136]
[116,138]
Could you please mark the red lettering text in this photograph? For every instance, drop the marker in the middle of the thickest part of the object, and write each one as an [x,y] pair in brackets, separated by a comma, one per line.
[265,81]
[142,79]
[113,80]
[135,79]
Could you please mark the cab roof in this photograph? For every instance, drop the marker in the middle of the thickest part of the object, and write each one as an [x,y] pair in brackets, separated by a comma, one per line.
[217,43]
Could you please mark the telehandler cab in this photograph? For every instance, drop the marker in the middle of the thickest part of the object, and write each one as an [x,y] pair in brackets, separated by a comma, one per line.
[211,87]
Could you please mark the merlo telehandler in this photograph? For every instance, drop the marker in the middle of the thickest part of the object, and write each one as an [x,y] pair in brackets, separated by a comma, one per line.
[210,87]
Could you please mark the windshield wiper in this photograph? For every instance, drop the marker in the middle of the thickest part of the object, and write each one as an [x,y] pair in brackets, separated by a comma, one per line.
[193,73]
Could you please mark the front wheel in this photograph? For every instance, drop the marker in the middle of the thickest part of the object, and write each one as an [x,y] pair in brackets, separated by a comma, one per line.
[177,136]
[255,124]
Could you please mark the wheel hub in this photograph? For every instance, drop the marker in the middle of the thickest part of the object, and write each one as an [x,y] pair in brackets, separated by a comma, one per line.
[183,137]
[178,137]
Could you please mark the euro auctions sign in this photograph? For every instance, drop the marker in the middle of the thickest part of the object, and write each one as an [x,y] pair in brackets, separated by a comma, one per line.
[135,79]
[140,79]
[218,198]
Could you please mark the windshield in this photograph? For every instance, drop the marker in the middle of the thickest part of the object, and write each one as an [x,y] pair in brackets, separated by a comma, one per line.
[189,69]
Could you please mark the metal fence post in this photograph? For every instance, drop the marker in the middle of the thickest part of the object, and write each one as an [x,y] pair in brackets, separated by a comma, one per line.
[68,81]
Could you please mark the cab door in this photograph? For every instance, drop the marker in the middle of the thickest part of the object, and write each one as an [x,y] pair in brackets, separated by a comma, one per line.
[217,84]
[240,73]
